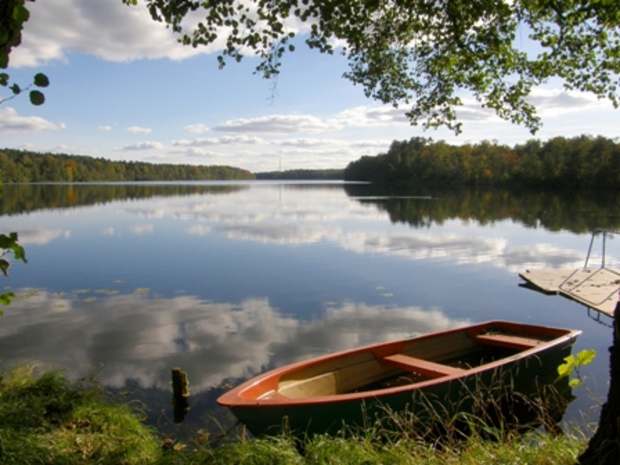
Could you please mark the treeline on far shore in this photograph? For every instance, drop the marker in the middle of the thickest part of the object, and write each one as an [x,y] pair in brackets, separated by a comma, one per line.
[26,166]
[301,174]
[579,162]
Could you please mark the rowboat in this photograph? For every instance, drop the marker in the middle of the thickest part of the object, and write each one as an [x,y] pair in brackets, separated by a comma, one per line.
[355,387]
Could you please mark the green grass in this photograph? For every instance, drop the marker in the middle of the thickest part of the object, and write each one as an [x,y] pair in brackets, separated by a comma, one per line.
[46,419]
[533,448]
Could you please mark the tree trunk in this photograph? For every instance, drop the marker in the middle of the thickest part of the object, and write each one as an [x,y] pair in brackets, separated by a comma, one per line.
[604,446]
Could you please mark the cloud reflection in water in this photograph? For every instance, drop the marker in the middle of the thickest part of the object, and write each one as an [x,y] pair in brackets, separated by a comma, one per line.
[135,338]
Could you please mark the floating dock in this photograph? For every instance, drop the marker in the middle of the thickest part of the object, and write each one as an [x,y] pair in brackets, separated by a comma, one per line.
[596,288]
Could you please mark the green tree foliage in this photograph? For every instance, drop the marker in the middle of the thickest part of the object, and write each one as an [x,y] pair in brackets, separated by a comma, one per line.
[24,166]
[9,244]
[422,53]
[573,363]
[13,15]
[579,162]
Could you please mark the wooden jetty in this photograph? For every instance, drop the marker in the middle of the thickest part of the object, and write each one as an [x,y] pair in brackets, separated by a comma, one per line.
[596,288]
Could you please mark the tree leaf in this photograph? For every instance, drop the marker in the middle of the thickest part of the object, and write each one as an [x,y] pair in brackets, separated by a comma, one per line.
[565,369]
[570,360]
[41,80]
[4,266]
[10,243]
[574,382]
[36,97]
[6,298]
[585,357]
[20,14]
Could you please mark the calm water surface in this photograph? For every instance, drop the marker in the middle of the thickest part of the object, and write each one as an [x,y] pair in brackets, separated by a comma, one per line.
[124,282]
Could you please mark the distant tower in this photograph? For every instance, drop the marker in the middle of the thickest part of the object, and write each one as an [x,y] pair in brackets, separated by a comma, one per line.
[280,165]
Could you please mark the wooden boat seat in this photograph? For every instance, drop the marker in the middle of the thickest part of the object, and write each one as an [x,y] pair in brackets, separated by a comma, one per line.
[418,365]
[508,341]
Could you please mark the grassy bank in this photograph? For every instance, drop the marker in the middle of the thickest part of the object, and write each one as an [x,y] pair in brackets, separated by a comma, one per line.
[46,419]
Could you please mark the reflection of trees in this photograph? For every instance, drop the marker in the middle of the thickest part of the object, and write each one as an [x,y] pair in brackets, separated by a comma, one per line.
[315,186]
[578,212]
[21,198]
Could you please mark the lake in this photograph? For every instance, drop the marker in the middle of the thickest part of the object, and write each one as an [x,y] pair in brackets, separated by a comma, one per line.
[226,280]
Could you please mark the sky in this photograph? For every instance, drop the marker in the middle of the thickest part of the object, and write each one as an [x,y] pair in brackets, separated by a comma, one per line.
[122,88]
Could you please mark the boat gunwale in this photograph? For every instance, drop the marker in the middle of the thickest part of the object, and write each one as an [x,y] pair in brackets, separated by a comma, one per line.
[233,398]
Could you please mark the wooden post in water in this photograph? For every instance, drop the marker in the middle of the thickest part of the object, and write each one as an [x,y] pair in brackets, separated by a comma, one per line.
[179,383]
[180,393]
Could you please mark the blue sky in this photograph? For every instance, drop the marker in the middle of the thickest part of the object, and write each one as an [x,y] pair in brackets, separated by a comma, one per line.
[123,89]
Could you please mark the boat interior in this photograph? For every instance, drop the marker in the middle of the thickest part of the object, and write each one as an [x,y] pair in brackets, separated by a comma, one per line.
[404,362]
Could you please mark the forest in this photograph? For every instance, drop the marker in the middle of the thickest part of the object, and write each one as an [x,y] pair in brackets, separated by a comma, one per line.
[26,166]
[578,162]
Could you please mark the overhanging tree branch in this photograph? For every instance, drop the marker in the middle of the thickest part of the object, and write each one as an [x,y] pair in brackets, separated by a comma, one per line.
[424,53]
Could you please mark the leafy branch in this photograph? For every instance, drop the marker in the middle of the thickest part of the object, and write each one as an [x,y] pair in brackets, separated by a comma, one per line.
[9,244]
[573,365]
[423,53]
[13,15]
[36,96]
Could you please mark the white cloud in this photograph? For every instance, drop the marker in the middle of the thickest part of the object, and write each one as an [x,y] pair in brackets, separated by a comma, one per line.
[141,229]
[146,212]
[357,117]
[364,116]
[12,123]
[127,33]
[375,144]
[105,128]
[556,102]
[138,130]
[275,124]
[199,230]
[535,256]
[41,236]
[354,324]
[548,102]
[149,145]
[195,152]
[304,142]
[141,338]
[197,128]
[276,233]
[226,140]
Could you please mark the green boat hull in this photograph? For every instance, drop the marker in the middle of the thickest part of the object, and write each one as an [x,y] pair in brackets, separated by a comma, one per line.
[440,401]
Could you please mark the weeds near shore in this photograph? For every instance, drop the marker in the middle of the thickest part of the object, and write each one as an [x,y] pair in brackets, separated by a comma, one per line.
[46,419]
